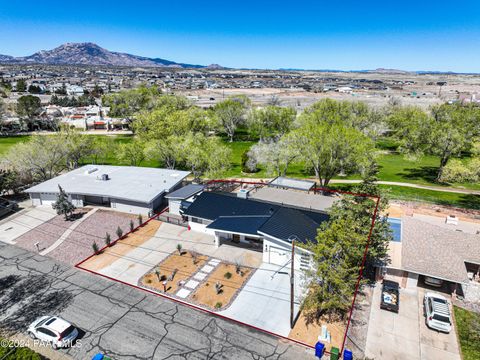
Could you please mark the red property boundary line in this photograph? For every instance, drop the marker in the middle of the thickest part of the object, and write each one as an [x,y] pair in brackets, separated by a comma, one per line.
[316,190]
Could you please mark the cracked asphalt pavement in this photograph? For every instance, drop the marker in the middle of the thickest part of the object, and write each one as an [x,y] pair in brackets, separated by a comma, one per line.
[121,321]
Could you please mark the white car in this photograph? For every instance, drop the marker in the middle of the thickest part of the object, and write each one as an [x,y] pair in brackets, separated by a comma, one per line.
[54,330]
[437,312]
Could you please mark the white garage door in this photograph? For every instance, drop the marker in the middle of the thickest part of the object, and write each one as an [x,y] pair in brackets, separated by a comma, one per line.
[278,256]
[48,199]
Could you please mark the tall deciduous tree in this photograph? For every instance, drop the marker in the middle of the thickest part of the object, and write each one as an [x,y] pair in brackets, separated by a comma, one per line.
[132,153]
[276,156]
[448,131]
[169,151]
[63,205]
[230,114]
[330,148]
[205,155]
[271,121]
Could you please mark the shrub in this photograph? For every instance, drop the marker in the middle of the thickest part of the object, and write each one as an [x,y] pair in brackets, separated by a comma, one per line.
[108,239]
[119,232]
[218,305]
[227,275]
[194,256]
[95,247]
[148,281]
[179,248]
[132,225]
[140,219]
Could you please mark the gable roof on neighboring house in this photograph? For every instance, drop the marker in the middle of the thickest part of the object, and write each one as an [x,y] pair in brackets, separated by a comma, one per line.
[438,252]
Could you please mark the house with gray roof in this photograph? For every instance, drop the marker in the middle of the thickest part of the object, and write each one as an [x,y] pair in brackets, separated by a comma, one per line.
[136,190]
[430,250]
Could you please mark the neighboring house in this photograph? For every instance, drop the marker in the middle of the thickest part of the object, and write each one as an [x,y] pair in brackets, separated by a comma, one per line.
[266,226]
[186,193]
[424,249]
[130,189]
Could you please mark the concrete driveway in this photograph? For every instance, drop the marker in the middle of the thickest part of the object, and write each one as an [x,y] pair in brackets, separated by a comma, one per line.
[265,302]
[18,224]
[405,335]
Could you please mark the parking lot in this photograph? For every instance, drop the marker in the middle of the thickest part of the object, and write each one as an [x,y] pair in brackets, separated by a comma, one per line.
[405,335]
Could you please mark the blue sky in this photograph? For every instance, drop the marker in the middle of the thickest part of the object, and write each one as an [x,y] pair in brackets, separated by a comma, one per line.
[346,35]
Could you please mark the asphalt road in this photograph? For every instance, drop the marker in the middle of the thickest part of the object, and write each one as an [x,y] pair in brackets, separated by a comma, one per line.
[121,321]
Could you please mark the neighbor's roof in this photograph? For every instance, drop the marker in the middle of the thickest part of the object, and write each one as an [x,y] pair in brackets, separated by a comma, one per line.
[185,192]
[432,250]
[287,223]
[246,224]
[125,182]
[211,205]
[294,198]
[286,182]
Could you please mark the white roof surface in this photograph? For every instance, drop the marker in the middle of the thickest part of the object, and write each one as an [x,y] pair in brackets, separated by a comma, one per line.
[292,183]
[125,182]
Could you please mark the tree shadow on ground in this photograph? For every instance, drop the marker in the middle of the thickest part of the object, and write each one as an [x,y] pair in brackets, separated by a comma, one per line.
[470,201]
[29,299]
[425,173]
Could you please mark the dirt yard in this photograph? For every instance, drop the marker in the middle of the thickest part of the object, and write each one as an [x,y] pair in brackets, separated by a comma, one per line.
[206,293]
[309,333]
[184,265]
[122,247]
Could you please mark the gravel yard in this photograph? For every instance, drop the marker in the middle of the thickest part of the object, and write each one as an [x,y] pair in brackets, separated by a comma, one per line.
[47,233]
[78,244]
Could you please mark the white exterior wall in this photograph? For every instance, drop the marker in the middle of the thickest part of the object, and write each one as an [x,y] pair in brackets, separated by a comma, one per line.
[278,252]
[200,227]
[174,206]
[131,207]
[412,280]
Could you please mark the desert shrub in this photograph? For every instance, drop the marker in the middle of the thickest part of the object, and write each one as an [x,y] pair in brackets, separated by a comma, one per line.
[218,305]
[227,275]
[95,247]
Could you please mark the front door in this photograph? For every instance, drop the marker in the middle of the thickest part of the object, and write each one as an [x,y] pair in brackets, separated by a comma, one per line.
[236,238]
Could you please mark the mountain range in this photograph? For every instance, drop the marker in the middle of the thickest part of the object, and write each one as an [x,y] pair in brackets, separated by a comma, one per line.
[92,54]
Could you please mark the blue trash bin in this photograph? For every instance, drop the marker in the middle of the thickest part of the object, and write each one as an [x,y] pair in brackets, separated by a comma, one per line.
[319,350]
[347,355]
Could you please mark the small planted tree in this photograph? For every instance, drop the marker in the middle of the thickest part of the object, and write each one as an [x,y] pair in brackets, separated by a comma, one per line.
[63,205]
[157,272]
[108,239]
[119,232]
[95,247]
[132,225]
[179,249]
[140,219]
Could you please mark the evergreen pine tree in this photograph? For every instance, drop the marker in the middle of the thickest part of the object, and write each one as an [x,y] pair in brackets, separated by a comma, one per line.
[63,205]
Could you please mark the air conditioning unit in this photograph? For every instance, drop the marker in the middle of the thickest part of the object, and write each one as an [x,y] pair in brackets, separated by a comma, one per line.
[104,177]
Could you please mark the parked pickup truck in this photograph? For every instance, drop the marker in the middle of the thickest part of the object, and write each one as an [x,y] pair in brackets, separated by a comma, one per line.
[390,296]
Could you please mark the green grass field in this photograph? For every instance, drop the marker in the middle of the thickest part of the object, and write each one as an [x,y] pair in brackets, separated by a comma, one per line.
[468,336]
[392,166]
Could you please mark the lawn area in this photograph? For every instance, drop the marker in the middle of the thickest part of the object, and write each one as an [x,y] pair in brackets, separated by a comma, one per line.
[422,195]
[7,142]
[468,330]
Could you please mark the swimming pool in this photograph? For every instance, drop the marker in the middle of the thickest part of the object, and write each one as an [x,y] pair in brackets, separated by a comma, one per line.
[396,226]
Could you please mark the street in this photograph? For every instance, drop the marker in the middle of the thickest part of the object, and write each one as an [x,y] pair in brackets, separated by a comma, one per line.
[120,321]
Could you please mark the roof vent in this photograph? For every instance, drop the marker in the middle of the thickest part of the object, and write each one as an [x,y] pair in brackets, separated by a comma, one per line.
[91,170]
[242,193]
[104,177]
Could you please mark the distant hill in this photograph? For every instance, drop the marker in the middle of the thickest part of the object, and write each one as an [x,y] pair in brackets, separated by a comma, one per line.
[91,54]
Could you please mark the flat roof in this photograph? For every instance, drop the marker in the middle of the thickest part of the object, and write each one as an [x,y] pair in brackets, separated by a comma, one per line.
[286,182]
[185,192]
[294,198]
[140,184]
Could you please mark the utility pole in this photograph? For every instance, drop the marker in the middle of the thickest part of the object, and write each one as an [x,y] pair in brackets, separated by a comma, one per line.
[292,286]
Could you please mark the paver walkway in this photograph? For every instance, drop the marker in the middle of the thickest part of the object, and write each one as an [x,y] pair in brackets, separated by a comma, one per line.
[67,232]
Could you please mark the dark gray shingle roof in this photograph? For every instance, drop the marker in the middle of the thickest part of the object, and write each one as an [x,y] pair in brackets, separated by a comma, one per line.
[185,192]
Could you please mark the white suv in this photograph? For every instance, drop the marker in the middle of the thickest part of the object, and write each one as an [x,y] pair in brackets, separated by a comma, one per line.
[54,330]
[437,312]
